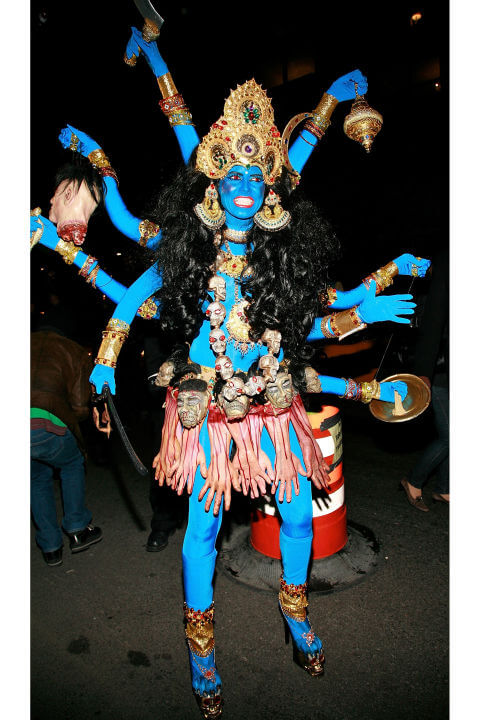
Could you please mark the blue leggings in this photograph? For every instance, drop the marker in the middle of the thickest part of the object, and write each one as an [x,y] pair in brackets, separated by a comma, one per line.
[199,553]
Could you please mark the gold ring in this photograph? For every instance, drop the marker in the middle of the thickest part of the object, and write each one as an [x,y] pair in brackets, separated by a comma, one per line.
[414,271]
[74,140]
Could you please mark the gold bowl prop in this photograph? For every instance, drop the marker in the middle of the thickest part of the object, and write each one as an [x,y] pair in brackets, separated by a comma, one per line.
[363,123]
[416,402]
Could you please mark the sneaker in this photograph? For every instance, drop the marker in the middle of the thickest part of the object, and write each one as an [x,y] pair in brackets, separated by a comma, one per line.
[82,539]
[53,558]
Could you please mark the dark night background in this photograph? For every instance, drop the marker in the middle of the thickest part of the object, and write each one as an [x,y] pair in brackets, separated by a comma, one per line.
[393,200]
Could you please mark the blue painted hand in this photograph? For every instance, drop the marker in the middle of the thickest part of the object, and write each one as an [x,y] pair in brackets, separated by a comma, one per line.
[381,308]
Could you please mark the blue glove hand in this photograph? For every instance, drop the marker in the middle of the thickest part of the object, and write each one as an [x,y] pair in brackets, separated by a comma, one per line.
[49,236]
[387,390]
[86,144]
[344,87]
[379,308]
[406,262]
[102,374]
[155,61]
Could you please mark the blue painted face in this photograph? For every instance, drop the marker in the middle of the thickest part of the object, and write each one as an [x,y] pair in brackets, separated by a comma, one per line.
[241,193]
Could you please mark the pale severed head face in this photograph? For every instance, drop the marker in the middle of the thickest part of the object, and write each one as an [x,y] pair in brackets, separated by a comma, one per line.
[280,392]
[192,406]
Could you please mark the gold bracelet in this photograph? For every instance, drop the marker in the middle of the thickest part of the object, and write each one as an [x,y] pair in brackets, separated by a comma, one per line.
[67,250]
[166,85]
[92,277]
[148,229]
[323,112]
[370,391]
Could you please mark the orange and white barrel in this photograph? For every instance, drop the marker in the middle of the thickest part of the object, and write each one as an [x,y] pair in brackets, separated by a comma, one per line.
[329,511]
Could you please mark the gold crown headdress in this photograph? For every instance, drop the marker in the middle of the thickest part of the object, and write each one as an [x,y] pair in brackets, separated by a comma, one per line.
[245,134]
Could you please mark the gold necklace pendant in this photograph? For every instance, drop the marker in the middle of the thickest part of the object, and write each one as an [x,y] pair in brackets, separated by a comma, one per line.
[233,265]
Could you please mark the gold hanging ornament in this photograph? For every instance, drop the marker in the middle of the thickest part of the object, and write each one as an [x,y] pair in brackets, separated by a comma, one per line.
[363,123]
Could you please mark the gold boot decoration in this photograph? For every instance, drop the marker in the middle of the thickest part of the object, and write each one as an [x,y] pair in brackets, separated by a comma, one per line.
[363,123]
[293,604]
[272,216]
[200,641]
[210,212]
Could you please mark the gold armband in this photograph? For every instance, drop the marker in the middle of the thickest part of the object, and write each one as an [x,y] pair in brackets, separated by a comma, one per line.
[345,323]
[67,250]
[113,338]
[148,229]
[148,309]
[383,277]
[332,295]
[323,111]
[166,85]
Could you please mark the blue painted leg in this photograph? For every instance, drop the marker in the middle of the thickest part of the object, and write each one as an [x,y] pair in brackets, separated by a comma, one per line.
[206,682]
[307,647]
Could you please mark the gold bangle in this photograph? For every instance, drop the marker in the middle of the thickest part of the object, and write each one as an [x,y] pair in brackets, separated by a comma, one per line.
[327,333]
[166,85]
[98,159]
[370,391]
[180,117]
[323,112]
[67,250]
[384,275]
[74,140]
[148,229]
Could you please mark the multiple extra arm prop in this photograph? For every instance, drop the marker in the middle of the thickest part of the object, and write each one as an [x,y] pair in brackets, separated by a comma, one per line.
[137,296]
[44,232]
[318,122]
[372,309]
[172,103]
[145,232]
[405,264]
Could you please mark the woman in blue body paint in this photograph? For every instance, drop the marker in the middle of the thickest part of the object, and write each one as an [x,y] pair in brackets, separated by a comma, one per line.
[241,275]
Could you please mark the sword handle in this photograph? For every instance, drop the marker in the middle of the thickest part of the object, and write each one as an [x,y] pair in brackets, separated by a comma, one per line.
[150,32]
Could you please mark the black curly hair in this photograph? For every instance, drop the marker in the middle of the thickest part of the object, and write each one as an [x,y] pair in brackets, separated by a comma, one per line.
[287,288]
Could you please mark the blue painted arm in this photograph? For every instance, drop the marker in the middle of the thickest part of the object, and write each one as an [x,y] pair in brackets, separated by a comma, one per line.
[143,287]
[374,308]
[103,282]
[407,264]
[186,134]
[338,386]
[122,218]
[342,89]
[99,279]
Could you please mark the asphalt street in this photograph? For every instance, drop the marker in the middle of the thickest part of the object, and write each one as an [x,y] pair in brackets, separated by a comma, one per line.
[107,638]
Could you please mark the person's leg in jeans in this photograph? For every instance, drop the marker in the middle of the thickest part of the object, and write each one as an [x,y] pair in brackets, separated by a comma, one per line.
[49,451]
[48,535]
[72,473]
[436,453]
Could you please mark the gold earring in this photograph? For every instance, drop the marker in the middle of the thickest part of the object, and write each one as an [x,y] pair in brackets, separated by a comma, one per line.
[272,216]
[209,211]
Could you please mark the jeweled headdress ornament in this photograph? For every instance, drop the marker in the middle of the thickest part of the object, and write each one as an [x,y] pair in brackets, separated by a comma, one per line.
[245,134]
